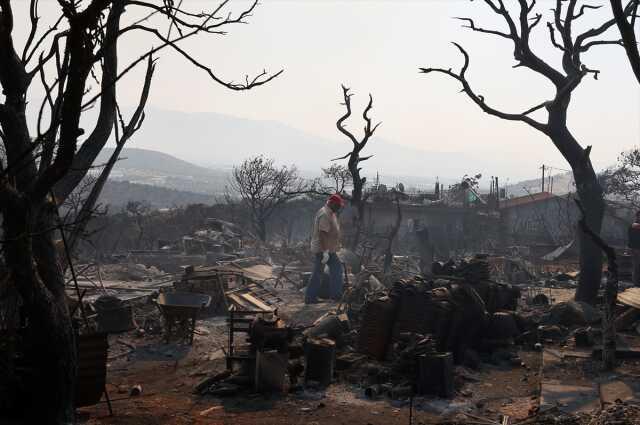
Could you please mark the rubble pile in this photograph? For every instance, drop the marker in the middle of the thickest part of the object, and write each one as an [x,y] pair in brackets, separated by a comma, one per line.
[402,267]
[407,349]
[572,313]
[435,323]
[113,315]
[269,353]
[559,280]
[292,257]
[616,414]
[472,271]
[421,322]
[217,237]
[421,309]
[619,413]
[130,272]
[476,272]
[365,285]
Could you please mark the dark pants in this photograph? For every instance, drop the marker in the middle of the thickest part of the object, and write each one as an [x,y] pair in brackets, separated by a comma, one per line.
[335,278]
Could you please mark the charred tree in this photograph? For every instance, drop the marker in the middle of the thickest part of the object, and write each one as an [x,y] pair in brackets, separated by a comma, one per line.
[626,21]
[571,45]
[610,296]
[340,178]
[264,188]
[81,44]
[624,178]
[358,197]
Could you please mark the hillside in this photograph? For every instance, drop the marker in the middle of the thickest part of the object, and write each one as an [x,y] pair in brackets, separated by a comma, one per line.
[116,194]
[153,168]
[155,161]
[560,184]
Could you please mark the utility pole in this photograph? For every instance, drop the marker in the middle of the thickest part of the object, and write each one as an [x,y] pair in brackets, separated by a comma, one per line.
[542,177]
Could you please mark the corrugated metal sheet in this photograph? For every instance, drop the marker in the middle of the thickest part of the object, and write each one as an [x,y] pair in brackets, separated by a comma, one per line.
[630,297]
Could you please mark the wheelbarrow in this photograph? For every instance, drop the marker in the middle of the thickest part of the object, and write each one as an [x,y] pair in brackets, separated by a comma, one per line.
[180,311]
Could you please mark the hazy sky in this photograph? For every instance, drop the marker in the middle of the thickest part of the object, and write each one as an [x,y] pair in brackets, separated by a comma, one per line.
[377,47]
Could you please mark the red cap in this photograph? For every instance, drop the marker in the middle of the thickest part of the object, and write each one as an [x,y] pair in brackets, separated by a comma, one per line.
[336,199]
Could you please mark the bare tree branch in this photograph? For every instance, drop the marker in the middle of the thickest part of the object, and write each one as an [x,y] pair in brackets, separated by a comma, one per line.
[471,25]
[552,36]
[258,80]
[627,32]
[128,130]
[26,57]
[479,100]
[33,17]
[204,26]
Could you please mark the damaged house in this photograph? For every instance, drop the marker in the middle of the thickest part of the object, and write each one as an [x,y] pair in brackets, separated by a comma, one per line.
[544,221]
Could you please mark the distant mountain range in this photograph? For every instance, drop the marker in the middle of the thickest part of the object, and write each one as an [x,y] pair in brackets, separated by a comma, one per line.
[220,141]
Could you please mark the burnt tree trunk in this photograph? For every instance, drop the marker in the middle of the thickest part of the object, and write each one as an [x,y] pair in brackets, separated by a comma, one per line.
[356,200]
[49,344]
[358,225]
[590,193]
[610,295]
[29,222]
[591,197]
[31,259]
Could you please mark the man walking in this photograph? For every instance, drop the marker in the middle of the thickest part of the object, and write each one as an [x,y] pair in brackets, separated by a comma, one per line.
[325,242]
[634,244]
